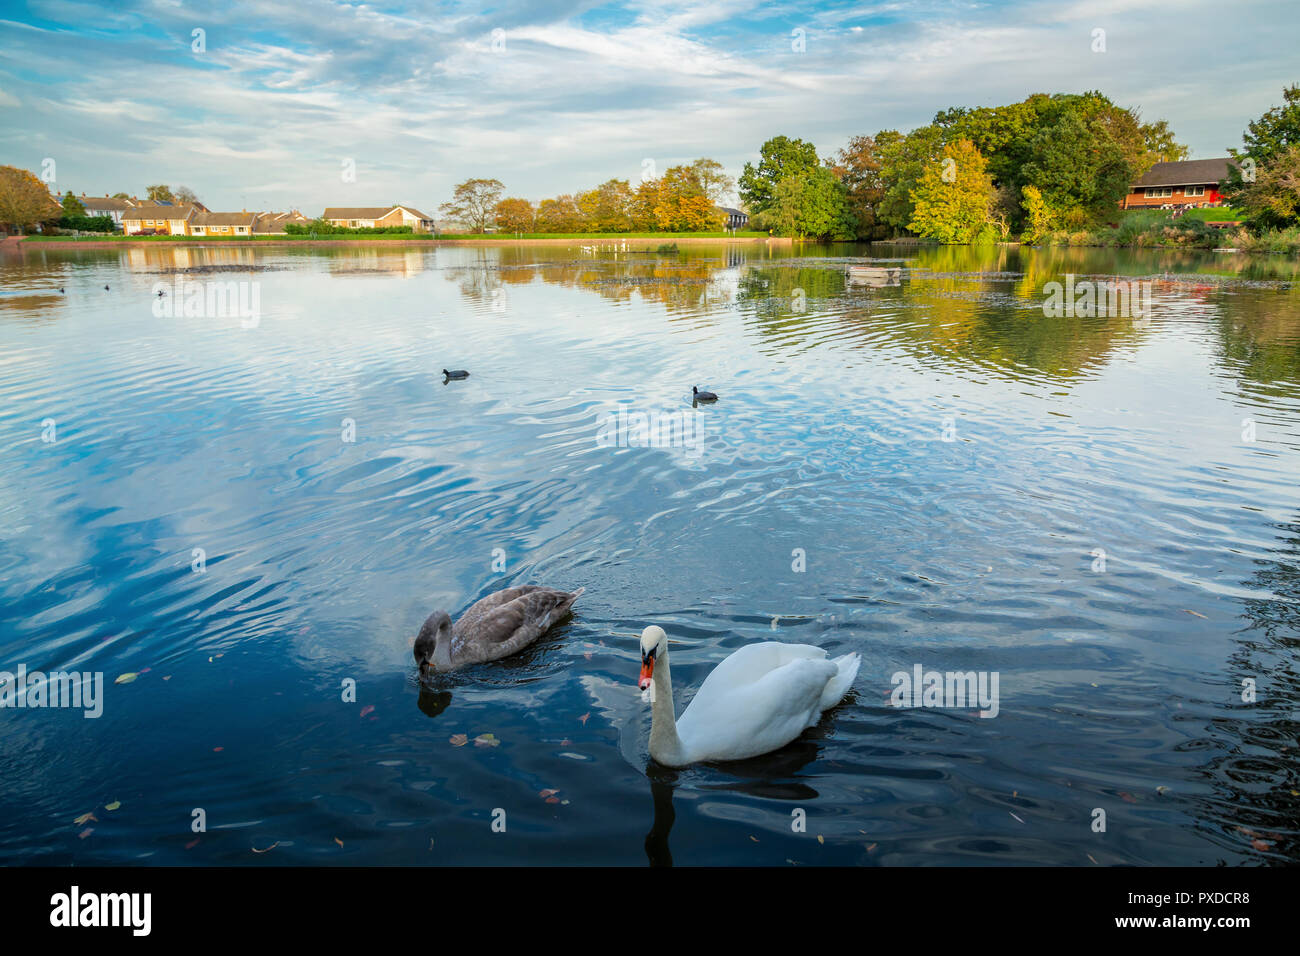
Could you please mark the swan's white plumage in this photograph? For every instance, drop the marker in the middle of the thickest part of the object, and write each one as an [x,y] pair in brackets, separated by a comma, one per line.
[756,700]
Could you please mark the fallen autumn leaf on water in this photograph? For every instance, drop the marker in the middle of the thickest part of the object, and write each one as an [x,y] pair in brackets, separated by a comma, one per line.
[459,740]
[547,793]
[1201,616]
[86,832]
[268,849]
[486,740]
[85,818]
[126,678]
[368,709]
[193,843]
[113,806]
[584,717]
[338,841]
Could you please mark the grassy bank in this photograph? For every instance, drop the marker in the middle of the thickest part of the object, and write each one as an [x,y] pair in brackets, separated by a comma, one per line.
[1156,229]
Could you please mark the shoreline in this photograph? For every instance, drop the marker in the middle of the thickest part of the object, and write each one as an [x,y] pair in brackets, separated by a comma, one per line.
[57,243]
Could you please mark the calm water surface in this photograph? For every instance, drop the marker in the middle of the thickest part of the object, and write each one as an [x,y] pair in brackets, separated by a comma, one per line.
[942,460]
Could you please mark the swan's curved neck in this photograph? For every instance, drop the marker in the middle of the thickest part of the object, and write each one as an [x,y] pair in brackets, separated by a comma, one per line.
[442,652]
[665,745]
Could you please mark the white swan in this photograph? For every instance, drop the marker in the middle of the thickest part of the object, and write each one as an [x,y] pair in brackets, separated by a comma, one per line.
[758,699]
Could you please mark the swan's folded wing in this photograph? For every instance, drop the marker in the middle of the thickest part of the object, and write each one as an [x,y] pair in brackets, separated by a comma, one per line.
[517,623]
[760,716]
[484,606]
[753,662]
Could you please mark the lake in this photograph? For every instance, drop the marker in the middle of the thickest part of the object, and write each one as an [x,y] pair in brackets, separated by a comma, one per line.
[240,513]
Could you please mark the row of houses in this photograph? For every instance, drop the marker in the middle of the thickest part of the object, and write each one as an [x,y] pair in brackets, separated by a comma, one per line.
[149,217]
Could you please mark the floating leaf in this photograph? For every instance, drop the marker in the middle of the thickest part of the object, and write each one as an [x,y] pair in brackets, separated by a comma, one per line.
[872,848]
[86,832]
[1091,857]
[217,750]
[459,740]
[338,841]
[1161,789]
[821,839]
[193,843]
[486,740]
[1127,797]
[1257,844]
[1195,614]
[368,709]
[113,806]
[584,717]
[85,818]
[126,678]
[547,793]
[552,799]
[268,849]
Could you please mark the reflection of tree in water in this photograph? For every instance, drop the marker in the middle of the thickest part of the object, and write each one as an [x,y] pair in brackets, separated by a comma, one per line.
[679,282]
[1262,342]
[1254,774]
[962,318]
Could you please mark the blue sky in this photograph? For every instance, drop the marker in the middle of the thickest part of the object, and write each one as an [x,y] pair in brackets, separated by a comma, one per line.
[419,96]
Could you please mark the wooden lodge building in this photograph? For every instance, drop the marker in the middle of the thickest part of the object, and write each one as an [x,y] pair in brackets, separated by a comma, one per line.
[1188,184]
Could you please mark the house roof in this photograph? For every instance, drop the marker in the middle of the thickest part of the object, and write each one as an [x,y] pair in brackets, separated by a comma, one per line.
[415,212]
[103,202]
[224,219]
[1192,172]
[368,212]
[148,210]
[357,212]
[733,212]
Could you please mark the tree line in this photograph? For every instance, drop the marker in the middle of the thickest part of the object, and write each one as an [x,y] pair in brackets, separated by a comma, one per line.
[1024,170]
[683,199]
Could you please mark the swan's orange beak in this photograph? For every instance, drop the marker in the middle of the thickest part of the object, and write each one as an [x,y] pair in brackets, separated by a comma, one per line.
[647,672]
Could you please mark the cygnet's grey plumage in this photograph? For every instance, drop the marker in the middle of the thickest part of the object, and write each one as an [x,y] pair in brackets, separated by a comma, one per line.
[501,624]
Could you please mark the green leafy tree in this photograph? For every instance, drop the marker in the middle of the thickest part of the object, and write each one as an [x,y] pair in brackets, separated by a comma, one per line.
[160,193]
[1272,201]
[72,206]
[1038,217]
[779,158]
[1264,139]
[903,159]
[951,200]
[811,204]
[1273,132]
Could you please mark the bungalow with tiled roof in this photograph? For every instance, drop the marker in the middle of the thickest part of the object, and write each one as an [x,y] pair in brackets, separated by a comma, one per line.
[1193,182]
[377,217]
[150,218]
[273,223]
[105,206]
[222,223]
